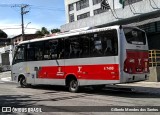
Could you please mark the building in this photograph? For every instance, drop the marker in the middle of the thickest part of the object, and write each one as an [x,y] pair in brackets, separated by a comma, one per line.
[5,54]
[4,42]
[17,39]
[141,13]
[7,49]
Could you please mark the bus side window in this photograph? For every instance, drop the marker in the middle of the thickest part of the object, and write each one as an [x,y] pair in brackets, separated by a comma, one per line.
[75,49]
[109,42]
[60,49]
[85,46]
[67,48]
[39,51]
[38,54]
[96,45]
[30,52]
[53,51]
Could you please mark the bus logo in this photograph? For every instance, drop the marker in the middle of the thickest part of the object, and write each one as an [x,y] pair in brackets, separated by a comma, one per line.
[139,61]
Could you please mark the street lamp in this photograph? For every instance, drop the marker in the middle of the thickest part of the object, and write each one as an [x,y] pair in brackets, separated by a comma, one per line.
[27,25]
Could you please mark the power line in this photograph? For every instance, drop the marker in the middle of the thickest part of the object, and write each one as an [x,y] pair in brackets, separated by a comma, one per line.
[18,28]
[48,8]
[52,9]
[10,5]
[32,6]
[9,26]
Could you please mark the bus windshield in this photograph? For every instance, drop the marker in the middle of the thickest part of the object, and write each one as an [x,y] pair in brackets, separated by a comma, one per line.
[135,36]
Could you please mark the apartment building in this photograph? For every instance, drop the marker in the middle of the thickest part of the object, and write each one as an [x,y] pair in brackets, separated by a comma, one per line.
[89,13]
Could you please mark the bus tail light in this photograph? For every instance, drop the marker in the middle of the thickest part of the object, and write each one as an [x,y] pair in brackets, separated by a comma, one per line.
[125,69]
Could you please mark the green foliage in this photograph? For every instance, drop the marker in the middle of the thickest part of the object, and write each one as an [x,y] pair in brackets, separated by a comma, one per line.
[43,32]
[55,30]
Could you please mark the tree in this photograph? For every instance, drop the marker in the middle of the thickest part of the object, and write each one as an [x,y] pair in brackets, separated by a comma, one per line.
[43,32]
[3,34]
[39,33]
[55,30]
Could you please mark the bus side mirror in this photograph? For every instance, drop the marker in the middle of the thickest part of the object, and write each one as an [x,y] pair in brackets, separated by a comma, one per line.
[120,27]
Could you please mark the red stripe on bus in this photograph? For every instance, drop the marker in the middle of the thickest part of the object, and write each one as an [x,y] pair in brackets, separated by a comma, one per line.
[88,72]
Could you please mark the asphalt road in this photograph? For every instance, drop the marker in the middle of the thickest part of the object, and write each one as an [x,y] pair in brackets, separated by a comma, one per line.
[57,99]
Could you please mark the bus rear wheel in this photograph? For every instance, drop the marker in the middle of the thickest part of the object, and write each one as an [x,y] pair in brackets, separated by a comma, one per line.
[73,86]
[23,82]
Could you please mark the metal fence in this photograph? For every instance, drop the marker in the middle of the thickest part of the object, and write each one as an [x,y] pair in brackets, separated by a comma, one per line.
[154,58]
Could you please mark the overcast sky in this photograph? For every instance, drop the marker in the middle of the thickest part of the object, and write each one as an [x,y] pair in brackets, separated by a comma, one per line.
[47,13]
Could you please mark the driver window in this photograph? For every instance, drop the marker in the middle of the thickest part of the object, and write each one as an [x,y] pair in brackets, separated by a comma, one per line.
[19,54]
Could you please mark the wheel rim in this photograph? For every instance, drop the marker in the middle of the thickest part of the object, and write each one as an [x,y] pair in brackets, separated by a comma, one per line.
[23,82]
[74,85]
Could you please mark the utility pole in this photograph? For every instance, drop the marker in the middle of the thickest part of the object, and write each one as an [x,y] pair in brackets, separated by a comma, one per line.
[22,13]
[113,5]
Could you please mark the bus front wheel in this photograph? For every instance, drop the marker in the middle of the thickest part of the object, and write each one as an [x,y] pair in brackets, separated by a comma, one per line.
[23,82]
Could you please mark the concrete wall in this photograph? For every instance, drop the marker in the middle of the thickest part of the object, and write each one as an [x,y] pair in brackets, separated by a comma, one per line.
[136,11]
[3,50]
[154,74]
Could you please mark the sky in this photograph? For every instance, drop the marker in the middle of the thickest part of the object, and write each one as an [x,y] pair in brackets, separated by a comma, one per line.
[42,13]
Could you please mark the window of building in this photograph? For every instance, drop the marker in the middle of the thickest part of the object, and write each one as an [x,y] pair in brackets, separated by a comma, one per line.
[149,28]
[71,7]
[96,1]
[71,17]
[82,4]
[85,15]
[98,11]
[158,26]
[127,2]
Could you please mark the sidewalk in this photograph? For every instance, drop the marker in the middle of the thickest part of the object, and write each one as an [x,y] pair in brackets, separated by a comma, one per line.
[5,76]
[147,87]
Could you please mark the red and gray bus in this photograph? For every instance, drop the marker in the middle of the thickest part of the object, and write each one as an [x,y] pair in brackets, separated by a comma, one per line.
[93,57]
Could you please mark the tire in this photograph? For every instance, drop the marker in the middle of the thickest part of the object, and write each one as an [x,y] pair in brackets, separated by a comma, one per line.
[73,86]
[98,87]
[23,82]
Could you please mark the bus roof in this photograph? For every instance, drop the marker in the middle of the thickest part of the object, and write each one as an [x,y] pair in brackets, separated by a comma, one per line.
[70,33]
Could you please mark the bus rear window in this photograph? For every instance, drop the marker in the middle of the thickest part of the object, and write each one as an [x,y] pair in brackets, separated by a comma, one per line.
[135,36]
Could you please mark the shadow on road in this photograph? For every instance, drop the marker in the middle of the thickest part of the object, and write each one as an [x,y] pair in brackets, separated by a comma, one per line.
[108,91]
[26,101]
